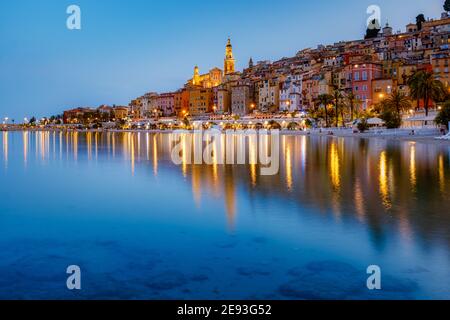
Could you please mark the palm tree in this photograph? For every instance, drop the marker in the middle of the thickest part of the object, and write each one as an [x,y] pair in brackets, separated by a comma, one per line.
[337,97]
[351,103]
[424,86]
[397,101]
[325,100]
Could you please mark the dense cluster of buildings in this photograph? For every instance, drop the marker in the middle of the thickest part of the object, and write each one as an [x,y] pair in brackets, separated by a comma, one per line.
[370,69]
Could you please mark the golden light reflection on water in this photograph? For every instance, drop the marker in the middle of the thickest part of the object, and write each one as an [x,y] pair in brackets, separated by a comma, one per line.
[25,138]
[384,181]
[132,154]
[89,145]
[303,153]
[75,145]
[335,166]
[441,171]
[288,166]
[336,176]
[359,200]
[253,159]
[5,147]
[412,166]
[185,154]
[155,156]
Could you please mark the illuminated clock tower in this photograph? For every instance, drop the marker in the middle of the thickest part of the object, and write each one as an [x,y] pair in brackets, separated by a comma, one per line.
[229,60]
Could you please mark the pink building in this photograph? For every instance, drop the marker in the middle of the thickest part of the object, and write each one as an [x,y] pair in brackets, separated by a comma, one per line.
[360,77]
[166,103]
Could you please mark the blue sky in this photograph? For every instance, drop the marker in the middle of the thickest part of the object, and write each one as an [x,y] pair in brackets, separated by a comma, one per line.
[127,48]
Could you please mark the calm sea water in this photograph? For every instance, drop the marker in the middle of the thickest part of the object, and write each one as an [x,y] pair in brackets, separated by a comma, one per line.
[141,227]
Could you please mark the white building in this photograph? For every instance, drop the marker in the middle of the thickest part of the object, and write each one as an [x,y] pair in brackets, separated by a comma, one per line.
[291,94]
[149,103]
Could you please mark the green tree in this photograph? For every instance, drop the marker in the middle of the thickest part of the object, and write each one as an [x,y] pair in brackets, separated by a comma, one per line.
[424,86]
[443,117]
[351,103]
[325,100]
[391,117]
[373,30]
[363,125]
[420,19]
[447,5]
[337,97]
[397,101]
[186,122]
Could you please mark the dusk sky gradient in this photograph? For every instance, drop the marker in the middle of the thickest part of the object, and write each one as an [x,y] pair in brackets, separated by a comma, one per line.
[128,48]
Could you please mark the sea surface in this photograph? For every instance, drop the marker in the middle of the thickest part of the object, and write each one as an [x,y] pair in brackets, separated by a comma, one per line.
[140,226]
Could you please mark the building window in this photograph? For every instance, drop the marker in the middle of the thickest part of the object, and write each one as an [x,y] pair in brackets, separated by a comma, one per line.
[364,75]
[356,76]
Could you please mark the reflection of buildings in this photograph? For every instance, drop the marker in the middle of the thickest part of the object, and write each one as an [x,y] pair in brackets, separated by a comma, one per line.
[5,147]
[378,182]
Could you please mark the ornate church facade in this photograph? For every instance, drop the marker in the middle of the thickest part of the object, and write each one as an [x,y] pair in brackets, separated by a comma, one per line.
[215,76]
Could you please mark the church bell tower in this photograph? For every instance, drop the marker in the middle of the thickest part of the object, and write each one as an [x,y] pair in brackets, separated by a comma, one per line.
[229,60]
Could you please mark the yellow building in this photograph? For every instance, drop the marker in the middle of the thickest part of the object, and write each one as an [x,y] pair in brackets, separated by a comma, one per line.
[120,112]
[440,64]
[381,89]
[229,62]
[209,80]
[201,101]
[215,76]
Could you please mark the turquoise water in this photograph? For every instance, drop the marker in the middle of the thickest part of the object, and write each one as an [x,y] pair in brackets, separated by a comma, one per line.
[141,227]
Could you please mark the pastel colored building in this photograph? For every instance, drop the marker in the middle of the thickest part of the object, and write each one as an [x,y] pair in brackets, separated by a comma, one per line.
[223,100]
[381,89]
[149,104]
[440,64]
[136,108]
[241,100]
[291,94]
[201,101]
[360,77]
[166,104]
[121,113]
[181,102]
[268,95]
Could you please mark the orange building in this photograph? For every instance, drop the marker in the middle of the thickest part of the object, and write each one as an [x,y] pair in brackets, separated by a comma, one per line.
[181,102]
[201,101]
[381,89]
[440,63]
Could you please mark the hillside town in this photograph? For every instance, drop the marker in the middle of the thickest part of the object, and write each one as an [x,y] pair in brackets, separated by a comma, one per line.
[328,86]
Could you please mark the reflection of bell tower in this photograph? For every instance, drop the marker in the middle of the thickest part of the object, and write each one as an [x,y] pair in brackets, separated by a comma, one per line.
[229,60]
